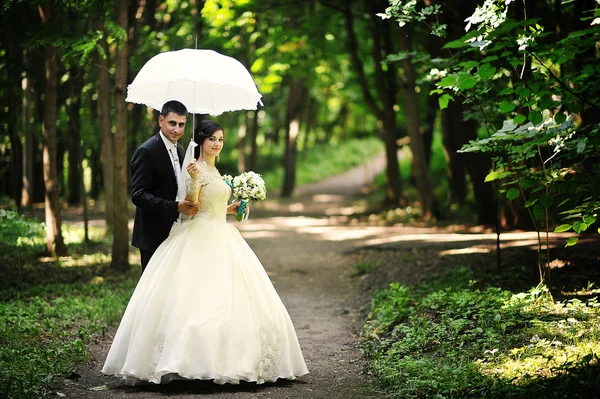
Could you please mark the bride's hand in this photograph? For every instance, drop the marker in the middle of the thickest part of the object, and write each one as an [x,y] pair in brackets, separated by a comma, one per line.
[192,169]
[233,208]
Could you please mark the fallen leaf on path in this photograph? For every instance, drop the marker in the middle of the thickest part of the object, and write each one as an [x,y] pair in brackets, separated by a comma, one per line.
[99,388]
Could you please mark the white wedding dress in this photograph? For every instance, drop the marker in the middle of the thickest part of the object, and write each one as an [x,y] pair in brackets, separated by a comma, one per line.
[205,308]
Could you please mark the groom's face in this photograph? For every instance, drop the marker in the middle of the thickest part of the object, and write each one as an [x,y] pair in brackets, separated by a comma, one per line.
[172,126]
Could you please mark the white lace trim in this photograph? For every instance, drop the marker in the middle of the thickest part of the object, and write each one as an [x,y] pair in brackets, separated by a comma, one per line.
[191,184]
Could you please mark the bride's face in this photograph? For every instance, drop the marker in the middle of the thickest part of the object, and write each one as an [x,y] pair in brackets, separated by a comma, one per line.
[213,145]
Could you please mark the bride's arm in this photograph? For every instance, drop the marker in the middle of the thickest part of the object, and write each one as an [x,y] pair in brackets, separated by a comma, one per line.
[192,185]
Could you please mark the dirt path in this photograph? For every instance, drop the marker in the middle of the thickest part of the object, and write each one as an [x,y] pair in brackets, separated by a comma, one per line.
[309,250]
[309,267]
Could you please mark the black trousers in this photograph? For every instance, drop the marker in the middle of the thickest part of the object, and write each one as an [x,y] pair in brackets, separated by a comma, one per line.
[145,255]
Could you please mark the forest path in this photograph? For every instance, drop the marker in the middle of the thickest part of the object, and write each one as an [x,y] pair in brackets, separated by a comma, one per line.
[305,256]
[309,250]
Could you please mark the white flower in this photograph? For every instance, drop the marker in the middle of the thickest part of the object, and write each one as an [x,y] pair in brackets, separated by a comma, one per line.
[249,186]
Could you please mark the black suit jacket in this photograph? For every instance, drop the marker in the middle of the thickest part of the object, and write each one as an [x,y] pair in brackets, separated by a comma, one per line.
[153,191]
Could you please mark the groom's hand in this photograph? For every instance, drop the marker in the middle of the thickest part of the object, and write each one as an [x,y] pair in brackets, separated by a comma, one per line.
[188,208]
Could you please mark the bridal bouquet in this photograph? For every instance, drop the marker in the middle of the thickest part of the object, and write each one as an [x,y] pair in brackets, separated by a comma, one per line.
[248,186]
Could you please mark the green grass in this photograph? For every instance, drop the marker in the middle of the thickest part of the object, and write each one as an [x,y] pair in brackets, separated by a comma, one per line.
[315,164]
[51,309]
[446,338]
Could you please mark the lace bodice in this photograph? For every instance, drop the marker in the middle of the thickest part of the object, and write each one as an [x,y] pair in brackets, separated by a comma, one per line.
[213,197]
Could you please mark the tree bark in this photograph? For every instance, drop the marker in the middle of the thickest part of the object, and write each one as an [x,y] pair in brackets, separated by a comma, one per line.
[451,127]
[413,124]
[54,239]
[253,136]
[74,135]
[28,154]
[96,172]
[241,144]
[106,137]
[120,249]
[455,133]
[292,124]
[386,90]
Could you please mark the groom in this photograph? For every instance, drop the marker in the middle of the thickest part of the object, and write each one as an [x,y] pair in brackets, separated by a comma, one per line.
[154,169]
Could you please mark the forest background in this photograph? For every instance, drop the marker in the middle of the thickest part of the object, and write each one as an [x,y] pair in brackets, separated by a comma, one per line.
[329,72]
[496,104]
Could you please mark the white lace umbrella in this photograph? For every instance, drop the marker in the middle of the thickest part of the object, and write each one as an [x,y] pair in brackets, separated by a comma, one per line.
[205,81]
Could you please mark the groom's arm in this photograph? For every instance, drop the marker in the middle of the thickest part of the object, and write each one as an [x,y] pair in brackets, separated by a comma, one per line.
[142,191]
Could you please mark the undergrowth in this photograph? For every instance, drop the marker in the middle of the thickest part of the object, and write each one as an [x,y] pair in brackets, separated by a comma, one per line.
[445,338]
[51,309]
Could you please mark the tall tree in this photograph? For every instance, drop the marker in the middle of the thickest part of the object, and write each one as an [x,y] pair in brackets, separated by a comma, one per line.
[54,239]
[107,153]
[120,249]
[413,126]
[296,100]
[385,89]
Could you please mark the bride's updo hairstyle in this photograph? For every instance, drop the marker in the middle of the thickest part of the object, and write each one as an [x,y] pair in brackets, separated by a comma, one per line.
[204,130]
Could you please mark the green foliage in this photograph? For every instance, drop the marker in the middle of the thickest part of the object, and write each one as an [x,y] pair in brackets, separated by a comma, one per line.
[537,93]
[45,335]
[324,160]
[19,236]
[50,311]
[447,339]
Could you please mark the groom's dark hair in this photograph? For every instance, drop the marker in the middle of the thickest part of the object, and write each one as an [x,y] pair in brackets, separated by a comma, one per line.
[204,130]
[173,106]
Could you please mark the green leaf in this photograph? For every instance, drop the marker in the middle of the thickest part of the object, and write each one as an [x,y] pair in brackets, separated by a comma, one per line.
[523,92]
[571,241]
[507,106]
[520,119]
[546,201]
[562,228]
[589,219]
[560,118]
[466,81]
[444,100]
[580,227]
[513,193]
[469,64]
[538,211]
[506,91]
[490,58]
[486,71]
[447,81]
[547,103]
[494,175]
[530,202]
[535,117]
[457,43]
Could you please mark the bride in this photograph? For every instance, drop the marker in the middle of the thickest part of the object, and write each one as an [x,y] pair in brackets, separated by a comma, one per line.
[205,308]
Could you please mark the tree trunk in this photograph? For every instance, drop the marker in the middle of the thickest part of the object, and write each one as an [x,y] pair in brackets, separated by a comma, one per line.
[386,88]
[28,154]
[241,143]
[74,135]
[455,133]
[429,126]
[54,239]
[413,124]
[120,249]
[96,172]
[451,127]
[292,124]
[253,144]
[15,168]
[107,147]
